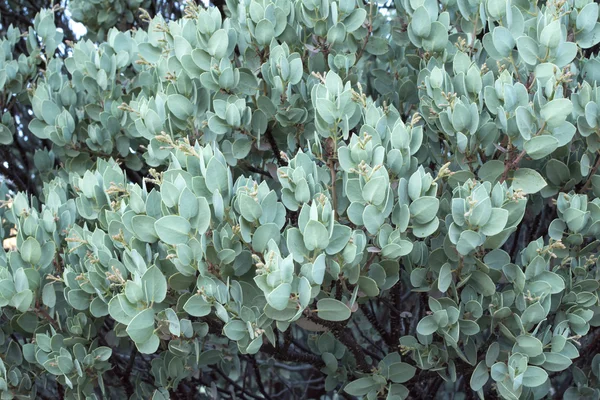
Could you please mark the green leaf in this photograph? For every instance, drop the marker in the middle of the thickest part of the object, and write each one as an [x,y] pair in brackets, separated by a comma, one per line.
[336,34]
[173,229]
[482,283]
[424,209]
[421,22]
[22,300]
[218,44]
[401,372]
[235,329]
[528,180]
[587,17]
[437,39]
[533,314]
[217,174]
[149,346]
[280,296]
[555,112]
[528,50]
[182,47]
[534,376]
[479,377]
[445,277]
[377,46]
[318,269]
[49,112]
[467,242]
[46,27]
[428,229]
[332,310]
[375,190]
[360,387]
[196,306]
[143,228]
[31,251]
[503,40]
[264,32]
[141,327]
[315,236]
[492,354]
[188,204]
[79,299]
[355,19]
[339,238]
[6,136]
[154,285]
[427,325]
[121,310]
[496,223]
[180,106]
[551,34]
[263,234]
[529,345]
[556,362]
[49,295]
[540,146]
[481,212]
[249,208]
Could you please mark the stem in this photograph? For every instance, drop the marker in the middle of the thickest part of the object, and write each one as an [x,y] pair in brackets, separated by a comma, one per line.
[508,165]
[333,193]
[370,30]
[515,163]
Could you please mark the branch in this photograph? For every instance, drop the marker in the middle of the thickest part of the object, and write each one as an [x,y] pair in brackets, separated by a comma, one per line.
[508,165]
[275,148]
[255,170]
[125,378]
[347,340]
[394,316]
[369,31]
[41,312]
[235,385]
[375,323]
[12,174]
[292,356]
[258,377]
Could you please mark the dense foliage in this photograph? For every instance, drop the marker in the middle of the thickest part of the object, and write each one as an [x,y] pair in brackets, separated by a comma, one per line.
[301,199]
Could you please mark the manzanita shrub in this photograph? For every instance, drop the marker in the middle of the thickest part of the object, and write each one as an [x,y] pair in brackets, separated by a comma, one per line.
[306,199]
